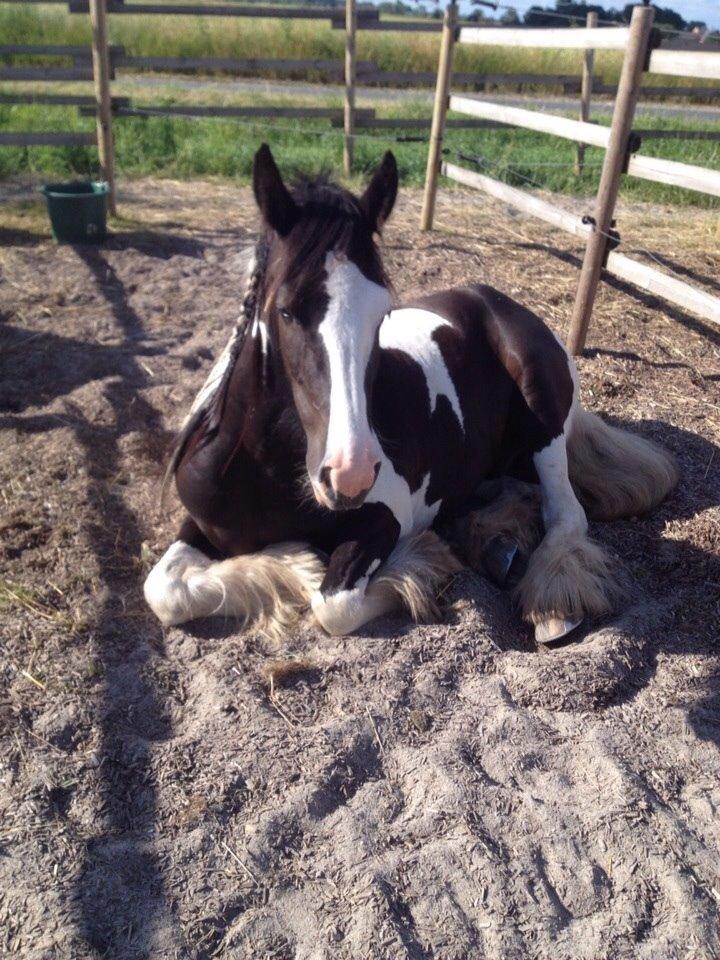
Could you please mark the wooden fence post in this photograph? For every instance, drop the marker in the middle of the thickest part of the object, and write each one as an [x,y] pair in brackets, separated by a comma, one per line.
[442,87]
[350,32]
[586,92]
[628,92]
[101,74]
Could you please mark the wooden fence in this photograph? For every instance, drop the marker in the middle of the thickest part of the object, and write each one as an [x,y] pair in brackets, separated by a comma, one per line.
[88,62]
[619,141]
[100,62]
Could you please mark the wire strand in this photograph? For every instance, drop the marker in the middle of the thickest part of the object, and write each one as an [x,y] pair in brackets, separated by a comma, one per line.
[249,122]
[486,161]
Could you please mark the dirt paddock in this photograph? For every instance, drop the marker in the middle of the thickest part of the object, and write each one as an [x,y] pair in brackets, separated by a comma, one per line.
[442,791]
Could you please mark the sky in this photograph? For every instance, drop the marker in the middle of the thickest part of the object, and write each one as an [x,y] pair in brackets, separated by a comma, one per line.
[707,10]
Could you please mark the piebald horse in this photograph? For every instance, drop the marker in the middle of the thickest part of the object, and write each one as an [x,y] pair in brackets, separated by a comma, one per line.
[337,429]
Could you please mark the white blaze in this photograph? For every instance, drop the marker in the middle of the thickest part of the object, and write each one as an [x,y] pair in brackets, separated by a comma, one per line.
[355,309]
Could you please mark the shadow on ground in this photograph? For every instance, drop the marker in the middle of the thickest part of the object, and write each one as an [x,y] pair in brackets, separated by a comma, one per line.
[122,868]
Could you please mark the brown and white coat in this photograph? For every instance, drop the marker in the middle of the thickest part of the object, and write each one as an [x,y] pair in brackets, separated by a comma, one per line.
[338,425]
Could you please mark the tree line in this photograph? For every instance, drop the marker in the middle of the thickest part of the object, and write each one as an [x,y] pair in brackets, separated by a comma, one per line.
[537,16]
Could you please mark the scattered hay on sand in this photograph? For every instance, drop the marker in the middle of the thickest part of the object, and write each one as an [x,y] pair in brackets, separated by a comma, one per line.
[433,791]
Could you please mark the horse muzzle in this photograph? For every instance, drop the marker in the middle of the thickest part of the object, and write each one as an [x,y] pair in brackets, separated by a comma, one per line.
[345,486]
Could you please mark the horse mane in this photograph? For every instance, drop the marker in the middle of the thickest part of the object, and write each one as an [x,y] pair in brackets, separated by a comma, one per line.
[207,411]
[332,219]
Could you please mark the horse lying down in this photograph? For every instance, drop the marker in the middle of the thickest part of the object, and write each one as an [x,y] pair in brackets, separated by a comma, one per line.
[337,425]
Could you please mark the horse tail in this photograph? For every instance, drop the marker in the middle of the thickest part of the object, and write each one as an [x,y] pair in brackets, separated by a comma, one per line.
[269,590]
[616,473]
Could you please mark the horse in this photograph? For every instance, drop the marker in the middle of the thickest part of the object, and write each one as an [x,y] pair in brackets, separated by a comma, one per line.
[338,431]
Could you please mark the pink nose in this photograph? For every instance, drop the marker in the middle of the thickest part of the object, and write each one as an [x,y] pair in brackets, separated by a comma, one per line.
[351,474]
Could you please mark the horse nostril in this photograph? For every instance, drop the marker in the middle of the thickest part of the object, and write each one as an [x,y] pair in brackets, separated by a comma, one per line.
[324,477]
[376,468]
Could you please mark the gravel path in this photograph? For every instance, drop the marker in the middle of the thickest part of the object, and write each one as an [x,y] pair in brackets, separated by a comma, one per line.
[375,95]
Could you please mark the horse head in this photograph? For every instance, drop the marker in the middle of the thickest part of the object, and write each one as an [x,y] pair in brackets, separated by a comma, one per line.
[325,294]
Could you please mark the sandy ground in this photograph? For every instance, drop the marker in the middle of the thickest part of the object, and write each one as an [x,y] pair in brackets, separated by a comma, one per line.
[442,791]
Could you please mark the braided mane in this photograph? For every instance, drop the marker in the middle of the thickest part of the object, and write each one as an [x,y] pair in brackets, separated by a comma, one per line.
[208,407]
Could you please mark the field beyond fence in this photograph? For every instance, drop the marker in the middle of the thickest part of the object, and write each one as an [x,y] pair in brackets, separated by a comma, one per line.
[245,38]
[179,147]
[149,143]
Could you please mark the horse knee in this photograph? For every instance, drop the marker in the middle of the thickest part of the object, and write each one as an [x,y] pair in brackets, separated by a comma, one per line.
[173,587]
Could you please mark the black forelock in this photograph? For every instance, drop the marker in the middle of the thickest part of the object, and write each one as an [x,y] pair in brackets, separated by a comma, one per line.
[322,195]
[330,218]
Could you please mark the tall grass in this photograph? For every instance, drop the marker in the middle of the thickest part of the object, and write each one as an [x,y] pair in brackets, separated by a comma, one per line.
[245,38]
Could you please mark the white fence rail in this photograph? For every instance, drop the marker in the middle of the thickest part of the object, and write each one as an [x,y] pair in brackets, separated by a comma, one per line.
[617,140]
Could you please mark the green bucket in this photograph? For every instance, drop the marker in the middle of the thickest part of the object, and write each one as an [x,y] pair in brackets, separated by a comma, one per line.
[78,211]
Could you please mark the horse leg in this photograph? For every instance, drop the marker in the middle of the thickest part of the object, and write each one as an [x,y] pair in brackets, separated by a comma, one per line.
[378,575]
[270,588]
[568,576]
[167,587]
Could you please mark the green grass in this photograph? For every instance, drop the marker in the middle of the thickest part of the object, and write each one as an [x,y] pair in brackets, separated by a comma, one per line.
[12,596]
[183,148]
[243,37]
[164,147]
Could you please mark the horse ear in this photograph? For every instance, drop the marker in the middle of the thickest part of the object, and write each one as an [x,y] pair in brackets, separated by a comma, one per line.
[277,207]
[379,198]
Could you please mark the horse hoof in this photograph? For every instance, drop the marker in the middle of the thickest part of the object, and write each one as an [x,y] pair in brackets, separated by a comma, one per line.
[498,556]
[554,629]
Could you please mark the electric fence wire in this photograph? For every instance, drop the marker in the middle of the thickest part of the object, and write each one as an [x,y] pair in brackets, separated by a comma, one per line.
[478,161]
[487,162]
[249,122]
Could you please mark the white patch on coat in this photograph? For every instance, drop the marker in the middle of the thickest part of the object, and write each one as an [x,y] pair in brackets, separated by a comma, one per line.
[560,505]
[259,329]
[171,587]
[345,611]
[410,510]
[410,330]
[355,310]
[575,377]
[341,612]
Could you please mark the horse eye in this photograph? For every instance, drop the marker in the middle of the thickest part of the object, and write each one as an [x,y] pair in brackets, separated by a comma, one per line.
[285,314]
